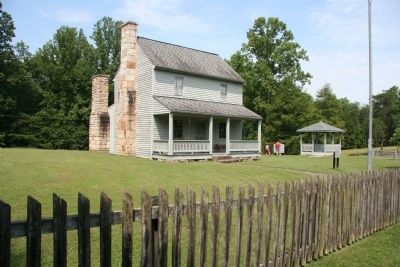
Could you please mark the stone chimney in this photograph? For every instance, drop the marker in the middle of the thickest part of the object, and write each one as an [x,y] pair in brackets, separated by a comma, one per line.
[126,140]
[99,124]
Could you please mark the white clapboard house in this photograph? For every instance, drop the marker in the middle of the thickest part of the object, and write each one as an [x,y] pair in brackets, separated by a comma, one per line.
[171,102]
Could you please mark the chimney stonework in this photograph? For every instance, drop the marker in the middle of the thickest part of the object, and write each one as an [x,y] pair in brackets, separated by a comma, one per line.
[126,121]
[99,123]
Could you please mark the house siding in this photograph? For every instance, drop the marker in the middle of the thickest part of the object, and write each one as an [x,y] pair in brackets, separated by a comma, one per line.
[159,108]
[113,145]
[197,88]
[160,128]
[144,95]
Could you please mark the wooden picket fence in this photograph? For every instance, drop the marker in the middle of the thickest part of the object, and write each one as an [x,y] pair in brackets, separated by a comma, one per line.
[290,224]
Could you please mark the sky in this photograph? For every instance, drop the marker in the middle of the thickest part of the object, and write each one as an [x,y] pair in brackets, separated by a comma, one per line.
[334,32]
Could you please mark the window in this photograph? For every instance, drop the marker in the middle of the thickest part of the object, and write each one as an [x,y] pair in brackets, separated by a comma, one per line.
[200,130]
[223,91]
[178,129]
[178,85]
[222,130]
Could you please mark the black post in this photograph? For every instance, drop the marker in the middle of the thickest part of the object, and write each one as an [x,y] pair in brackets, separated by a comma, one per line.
[334,160]
[337,163]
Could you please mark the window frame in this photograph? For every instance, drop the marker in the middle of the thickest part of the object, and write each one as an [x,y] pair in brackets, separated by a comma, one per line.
[223,91]
[178,91]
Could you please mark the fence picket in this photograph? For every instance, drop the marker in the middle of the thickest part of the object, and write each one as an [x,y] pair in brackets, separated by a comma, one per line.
[203,226]
[5,234]
[277,223]
[228,223]
[33,232]
[191,215]
[260,214]
[285,222]
[176,230]
[60,231]
[146,258]
[83,231]
[268,225]
[163,228]
[215,220]
[127,225]
[238,245]
[105,230]
[249,231]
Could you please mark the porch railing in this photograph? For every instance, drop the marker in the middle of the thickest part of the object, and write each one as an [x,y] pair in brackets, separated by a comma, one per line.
[329,148]
[307,147]
[160,146]
[332,148]
[191,146]
[243,145]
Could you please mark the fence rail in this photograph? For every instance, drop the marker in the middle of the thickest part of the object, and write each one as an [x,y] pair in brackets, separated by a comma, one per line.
[288,225]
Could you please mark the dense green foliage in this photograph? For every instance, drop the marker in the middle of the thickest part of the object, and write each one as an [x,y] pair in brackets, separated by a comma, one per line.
[270,64]
[45,96]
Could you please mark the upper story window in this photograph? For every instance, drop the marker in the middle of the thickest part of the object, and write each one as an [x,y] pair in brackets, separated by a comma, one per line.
[223,91]
[178,85]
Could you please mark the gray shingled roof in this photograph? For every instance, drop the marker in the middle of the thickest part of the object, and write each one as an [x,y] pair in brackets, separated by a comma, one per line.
[186,60]
[320,127]
[182,105]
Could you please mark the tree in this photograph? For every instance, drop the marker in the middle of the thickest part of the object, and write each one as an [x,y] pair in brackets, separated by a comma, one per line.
[386,114]
[18,91]
[270,63]
[328,106]
[63,68]
[107,37]
[395,139]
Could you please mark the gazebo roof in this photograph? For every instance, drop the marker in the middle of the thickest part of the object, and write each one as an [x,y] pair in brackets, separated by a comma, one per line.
[320,127]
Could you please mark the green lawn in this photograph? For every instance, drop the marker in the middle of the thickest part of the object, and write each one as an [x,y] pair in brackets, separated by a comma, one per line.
[40,173]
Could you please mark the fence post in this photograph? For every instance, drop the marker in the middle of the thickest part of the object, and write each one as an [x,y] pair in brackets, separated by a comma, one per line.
[5,234]
[33,232]
[176,231]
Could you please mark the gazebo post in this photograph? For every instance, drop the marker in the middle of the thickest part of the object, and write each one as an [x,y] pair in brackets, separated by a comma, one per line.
[312,142]
[324,142]
[333,138]
[301,144]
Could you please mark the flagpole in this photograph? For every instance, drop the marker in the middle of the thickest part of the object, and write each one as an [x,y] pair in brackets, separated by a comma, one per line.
[370,152]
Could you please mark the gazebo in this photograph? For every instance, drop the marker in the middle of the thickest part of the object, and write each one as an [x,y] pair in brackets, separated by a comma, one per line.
[320,145]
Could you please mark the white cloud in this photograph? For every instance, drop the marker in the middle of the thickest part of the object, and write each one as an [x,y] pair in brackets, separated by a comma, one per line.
[339,53]
[164,15]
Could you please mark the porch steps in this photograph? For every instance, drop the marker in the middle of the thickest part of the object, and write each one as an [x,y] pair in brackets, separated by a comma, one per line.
[225,159]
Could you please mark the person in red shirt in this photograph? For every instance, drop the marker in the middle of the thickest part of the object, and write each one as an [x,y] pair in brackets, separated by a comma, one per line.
[277,148]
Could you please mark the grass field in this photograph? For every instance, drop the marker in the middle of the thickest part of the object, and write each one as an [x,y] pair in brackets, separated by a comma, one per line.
[40,173]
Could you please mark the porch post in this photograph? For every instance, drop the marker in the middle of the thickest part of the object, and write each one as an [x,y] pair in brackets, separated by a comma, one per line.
[170,134]
[324,142]
[210,133]
[312,142]
[228,135]
[259,136]
[301,144]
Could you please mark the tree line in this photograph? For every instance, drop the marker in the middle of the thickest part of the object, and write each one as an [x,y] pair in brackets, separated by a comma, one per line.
[45,96]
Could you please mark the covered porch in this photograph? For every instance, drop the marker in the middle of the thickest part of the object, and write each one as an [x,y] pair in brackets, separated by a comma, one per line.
[188,135]
[320,139]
